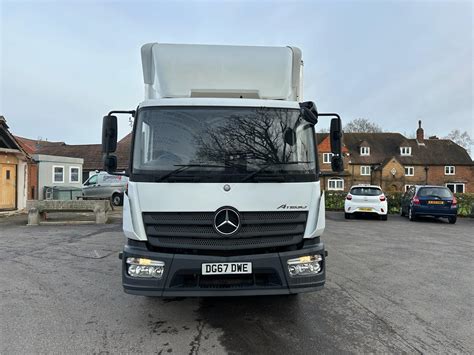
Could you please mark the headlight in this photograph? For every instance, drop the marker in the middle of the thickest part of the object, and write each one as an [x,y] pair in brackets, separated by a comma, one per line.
[146,268]
[305,265]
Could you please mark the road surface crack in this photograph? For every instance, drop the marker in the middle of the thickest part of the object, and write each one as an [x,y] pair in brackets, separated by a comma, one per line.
[196,343]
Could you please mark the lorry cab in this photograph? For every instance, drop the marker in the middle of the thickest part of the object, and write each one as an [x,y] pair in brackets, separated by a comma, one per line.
[224,195]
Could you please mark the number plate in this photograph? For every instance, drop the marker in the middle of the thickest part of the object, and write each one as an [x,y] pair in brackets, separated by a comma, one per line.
[226,268]
[367,209]
[435,202]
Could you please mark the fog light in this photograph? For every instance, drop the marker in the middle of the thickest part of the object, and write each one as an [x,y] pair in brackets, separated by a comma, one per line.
[141,267]
[305,265]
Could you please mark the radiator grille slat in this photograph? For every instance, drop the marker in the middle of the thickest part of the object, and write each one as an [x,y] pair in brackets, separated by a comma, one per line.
[195,230]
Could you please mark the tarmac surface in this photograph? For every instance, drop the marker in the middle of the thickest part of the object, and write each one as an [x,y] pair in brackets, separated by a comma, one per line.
[395,286]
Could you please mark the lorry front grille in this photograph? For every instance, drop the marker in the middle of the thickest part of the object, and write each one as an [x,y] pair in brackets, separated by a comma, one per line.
[195,230]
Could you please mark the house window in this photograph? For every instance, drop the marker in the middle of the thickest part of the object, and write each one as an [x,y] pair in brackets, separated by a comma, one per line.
[58,173]
[407,187]
[456,187]
[409,171]
[335,184]
[449,170]
[364,150]
[365,170]
[327,158]
[74,173]
[405,151]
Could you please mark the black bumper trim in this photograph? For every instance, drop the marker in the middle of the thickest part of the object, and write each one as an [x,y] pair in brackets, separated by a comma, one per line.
[175,264]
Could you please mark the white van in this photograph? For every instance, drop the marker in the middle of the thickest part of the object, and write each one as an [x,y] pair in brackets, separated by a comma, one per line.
[105,186]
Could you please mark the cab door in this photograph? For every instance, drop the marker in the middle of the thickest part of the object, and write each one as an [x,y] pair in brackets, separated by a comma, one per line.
[7,186]
[89,188]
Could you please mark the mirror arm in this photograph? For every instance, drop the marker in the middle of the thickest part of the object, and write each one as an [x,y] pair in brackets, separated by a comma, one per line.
[329,115]
[131,112]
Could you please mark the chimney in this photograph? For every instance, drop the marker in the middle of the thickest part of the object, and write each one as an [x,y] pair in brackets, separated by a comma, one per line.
[420,134]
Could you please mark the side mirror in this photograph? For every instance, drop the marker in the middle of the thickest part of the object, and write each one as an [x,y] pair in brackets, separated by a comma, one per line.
[109,134]
[309,111]
[335,137]
[290,136]
[337,164]
[110,163]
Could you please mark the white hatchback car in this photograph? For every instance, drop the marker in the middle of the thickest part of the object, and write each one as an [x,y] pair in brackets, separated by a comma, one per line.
[366,199]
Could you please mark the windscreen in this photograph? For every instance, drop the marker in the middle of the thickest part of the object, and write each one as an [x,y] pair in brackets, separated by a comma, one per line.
[238,144]
[366,191]
[441,192]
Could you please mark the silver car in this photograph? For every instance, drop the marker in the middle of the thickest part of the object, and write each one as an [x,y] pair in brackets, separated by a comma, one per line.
[105,186]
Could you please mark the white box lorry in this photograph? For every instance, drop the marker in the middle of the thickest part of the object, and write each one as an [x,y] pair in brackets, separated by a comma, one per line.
[224,196]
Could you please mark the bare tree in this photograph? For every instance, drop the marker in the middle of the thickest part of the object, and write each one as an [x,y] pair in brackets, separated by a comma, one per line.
[259,137]
[461,138]
[362,125]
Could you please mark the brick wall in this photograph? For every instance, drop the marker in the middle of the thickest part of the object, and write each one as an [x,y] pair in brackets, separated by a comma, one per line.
[434,176]
[463,174]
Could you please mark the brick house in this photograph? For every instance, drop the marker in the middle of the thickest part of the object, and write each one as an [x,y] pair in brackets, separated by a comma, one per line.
[90,153]
[329,179]
[395,162]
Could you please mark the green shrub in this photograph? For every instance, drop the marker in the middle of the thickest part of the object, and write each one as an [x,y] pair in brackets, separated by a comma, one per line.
[465,204]
[335,202]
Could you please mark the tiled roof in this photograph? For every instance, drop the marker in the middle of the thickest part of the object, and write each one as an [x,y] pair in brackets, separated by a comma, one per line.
[386,145]
[32,145]
[91,153]
[8,140]
[324,145]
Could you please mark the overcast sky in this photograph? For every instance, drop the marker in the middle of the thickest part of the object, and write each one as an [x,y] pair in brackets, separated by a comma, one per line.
[64,64]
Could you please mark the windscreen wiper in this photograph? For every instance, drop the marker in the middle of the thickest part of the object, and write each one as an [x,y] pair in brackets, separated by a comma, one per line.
[266,166]
[182,167]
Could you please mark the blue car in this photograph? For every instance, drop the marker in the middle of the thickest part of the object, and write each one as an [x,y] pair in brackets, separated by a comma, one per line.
[434,201]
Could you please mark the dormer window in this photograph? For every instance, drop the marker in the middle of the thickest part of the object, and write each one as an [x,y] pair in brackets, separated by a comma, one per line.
[364,150]
[405,151]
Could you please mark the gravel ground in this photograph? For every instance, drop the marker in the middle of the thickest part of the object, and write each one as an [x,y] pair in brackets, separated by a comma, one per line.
[394,286]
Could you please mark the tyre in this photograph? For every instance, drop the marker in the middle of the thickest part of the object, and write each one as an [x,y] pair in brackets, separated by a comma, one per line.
[452,220]
[117,199]
[383,217]
[411,215]
[347,215]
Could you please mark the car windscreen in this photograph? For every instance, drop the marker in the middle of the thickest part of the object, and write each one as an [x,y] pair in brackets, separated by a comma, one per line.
[441,192]
[215,144]
[366,191]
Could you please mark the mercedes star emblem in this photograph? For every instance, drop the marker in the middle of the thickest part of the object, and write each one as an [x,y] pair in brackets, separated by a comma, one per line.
[227,221]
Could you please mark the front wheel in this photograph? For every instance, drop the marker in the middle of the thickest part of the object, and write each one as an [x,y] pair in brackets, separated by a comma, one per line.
[411,215]
[347,215]
[383,217]
[452,220]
